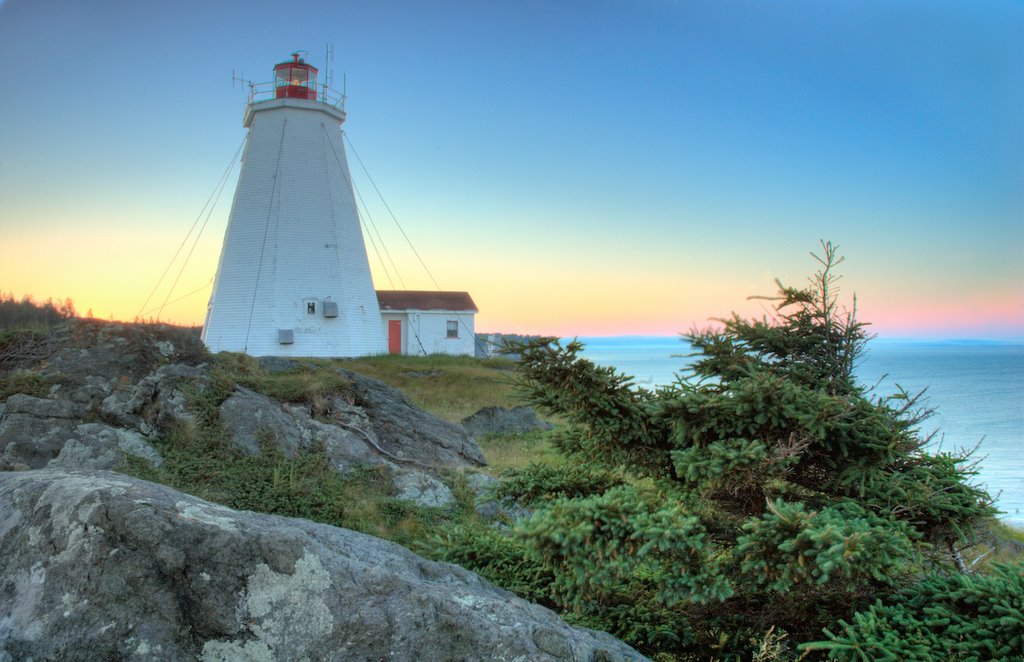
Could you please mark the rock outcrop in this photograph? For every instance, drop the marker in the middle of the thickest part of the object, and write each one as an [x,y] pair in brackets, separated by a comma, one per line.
[157,402]
[100,358]
[115,387]
[34,430]
[374,425]
[96,565]
[409,432]
[501,420]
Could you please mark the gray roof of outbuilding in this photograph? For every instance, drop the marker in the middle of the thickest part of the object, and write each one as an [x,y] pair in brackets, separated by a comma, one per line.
[420,300]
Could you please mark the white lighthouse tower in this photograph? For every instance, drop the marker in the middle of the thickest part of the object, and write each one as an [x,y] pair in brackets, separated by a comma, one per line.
[293,277]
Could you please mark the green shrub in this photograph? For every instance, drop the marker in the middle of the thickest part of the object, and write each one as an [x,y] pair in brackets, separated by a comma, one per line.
[536,483]
[939,617]
[764,497]
[843,542]
[495,555]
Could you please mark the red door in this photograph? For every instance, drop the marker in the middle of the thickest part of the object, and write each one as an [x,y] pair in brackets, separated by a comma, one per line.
[394,336]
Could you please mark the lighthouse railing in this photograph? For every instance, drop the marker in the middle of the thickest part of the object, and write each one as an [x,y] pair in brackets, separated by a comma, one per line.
[324,94]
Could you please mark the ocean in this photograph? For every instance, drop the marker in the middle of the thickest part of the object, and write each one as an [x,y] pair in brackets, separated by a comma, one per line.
[977,389]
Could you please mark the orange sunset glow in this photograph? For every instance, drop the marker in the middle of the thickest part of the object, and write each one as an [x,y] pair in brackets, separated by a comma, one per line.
[571,187]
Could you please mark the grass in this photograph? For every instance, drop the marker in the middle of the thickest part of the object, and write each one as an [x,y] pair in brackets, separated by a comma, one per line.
[450,387]
[1009,533]
[505,452]
[304,486]
[999,543]
[312,383]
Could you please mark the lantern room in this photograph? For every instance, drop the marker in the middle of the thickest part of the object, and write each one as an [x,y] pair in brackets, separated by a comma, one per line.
[295,79]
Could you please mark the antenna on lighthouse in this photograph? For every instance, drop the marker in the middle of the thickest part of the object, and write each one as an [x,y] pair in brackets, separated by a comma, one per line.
[329,66]
[240,78]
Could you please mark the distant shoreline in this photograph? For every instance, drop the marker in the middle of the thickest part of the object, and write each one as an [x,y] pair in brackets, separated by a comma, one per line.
[917,340]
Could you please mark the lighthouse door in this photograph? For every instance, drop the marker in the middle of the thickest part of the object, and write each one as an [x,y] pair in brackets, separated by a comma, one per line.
[394,336]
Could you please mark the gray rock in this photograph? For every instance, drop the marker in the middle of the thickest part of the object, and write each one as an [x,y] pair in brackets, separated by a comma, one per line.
[378,427]
[422,489]
[99,446]
[87,390]
[99,358]
[39,432]
[347,440]
[87,375]
[101,566]
[250,418]
[27,443]
[34,430]
[490,508]
[156,402]
[410,433]
[482,484]
[500,420]
[28,405]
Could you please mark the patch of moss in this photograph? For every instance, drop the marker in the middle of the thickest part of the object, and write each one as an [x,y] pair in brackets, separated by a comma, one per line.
[309,382]
[23,381]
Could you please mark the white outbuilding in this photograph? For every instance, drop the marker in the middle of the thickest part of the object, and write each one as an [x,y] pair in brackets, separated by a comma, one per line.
[418,322]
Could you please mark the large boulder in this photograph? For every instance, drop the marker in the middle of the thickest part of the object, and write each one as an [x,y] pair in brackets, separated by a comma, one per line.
[251,419]
[100,446]
[34,430]
[422,489]
[409,433]
[101,566]
[501,420]
[373,424]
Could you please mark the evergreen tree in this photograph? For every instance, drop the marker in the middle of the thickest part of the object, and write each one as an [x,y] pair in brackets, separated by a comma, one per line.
[759,501]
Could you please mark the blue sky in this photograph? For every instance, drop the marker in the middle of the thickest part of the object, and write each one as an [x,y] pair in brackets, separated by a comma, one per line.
[580,167]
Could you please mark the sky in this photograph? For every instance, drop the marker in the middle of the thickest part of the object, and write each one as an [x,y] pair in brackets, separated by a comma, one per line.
[581,167]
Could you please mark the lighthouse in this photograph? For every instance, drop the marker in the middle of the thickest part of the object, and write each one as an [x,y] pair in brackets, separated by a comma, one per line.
[293,277]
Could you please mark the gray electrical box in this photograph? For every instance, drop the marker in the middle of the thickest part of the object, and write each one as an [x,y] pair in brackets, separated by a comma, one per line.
[285,336]
[330,308]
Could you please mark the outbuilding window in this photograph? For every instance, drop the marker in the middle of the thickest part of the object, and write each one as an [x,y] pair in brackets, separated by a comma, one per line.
[453,328]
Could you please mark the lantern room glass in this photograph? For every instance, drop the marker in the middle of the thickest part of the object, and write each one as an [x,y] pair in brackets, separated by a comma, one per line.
[295,80]
[296,75]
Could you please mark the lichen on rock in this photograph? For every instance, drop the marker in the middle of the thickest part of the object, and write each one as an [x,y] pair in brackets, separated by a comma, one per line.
[123,568]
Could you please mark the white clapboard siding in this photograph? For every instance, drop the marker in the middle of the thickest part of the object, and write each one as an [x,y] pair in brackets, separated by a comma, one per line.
[294,239]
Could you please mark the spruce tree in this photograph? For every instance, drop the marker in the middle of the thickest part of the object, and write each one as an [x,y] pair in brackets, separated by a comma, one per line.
[763,505]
